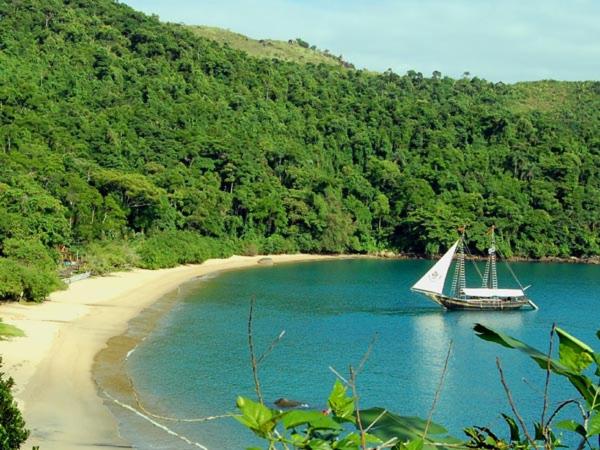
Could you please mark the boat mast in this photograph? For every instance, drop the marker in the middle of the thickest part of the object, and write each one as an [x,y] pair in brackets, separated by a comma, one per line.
[459,280]
[490,277]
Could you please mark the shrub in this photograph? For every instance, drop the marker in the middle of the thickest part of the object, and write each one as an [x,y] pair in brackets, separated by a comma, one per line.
[12,426]
[19,281]
[11,284]
[170,248]
[107,256]
[29,252]
[277,244]
[38,284]
[249,248]
[302,43]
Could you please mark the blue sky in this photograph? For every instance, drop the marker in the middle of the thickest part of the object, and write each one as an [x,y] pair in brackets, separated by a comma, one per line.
[500,40]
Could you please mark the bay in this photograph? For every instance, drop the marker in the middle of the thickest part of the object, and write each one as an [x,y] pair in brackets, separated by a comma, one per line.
[196,361]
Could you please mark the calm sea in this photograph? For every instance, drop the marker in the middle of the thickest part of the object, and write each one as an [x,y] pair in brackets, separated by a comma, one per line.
[196,361]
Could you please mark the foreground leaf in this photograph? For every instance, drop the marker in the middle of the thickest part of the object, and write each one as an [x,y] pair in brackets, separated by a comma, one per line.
[340,403]
[256,416]
[571,425]
[515,436]
[313,419]
[587,389]
[573,353]
[405,429]
[594,425]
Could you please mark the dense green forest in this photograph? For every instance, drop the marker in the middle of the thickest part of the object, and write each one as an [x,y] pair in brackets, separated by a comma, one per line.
[134,142]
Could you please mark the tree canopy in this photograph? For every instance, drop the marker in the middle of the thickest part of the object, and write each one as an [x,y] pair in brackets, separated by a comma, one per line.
[115,126]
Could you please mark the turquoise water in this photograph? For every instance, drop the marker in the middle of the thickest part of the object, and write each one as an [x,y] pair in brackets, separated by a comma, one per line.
[196,362]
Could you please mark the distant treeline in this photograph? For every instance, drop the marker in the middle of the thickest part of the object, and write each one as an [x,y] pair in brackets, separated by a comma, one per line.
[120,132]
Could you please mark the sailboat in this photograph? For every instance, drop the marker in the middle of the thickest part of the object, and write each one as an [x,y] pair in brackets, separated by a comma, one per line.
[487,297]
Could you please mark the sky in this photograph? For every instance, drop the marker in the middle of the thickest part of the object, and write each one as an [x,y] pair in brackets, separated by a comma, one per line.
[499,40]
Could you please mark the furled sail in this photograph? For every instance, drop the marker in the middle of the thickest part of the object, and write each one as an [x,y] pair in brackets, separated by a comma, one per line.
[487,292]
[433,280]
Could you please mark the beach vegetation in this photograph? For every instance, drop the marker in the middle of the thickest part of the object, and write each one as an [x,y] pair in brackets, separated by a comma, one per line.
[101,257]
[9,331]
[171,248]
[12,425]
[33,270]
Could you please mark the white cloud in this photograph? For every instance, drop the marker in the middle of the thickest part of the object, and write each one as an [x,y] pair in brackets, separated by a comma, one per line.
[507,40]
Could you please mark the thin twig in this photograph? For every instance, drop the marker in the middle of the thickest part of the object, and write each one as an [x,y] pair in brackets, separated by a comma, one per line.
[274,343]
[593,408]
[365,357]
[353,375]
[547,383]
[533,387]
[253,361]
[446,445]
[389,443]
[154,422]
[363,436]
[171,419]
[512,403]
[438,391]
[377,419]
[584,441]
[560,406]
[337,374]
[594,404]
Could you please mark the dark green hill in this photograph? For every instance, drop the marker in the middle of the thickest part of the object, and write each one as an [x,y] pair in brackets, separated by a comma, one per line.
[114,126]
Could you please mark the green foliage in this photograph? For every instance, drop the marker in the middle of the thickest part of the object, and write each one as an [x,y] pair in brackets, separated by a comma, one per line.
[104,256]
[340,403]
[30,252]
[569,364]
[574,359]
[38,284]
[12,426]
[339,426]
[342,426]
[27,271]
[142,128]
[171,248]
[302,43]
[408,431]
[9,331]
[11,280]
[304,429]
[277,244]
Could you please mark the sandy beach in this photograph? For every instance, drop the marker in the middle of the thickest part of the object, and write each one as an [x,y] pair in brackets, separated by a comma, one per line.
[52,364]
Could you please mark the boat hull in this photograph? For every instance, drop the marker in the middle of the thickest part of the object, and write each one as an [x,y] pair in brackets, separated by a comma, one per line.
[479,304]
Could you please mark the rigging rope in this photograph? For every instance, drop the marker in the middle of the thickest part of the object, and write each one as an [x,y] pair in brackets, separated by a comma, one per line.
[513,274]
[473,261]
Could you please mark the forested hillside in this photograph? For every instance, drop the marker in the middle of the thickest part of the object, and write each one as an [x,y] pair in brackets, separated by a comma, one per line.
[120,132]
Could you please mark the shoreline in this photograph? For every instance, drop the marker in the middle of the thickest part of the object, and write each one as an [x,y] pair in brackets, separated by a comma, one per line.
[592,260]
[53,364]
